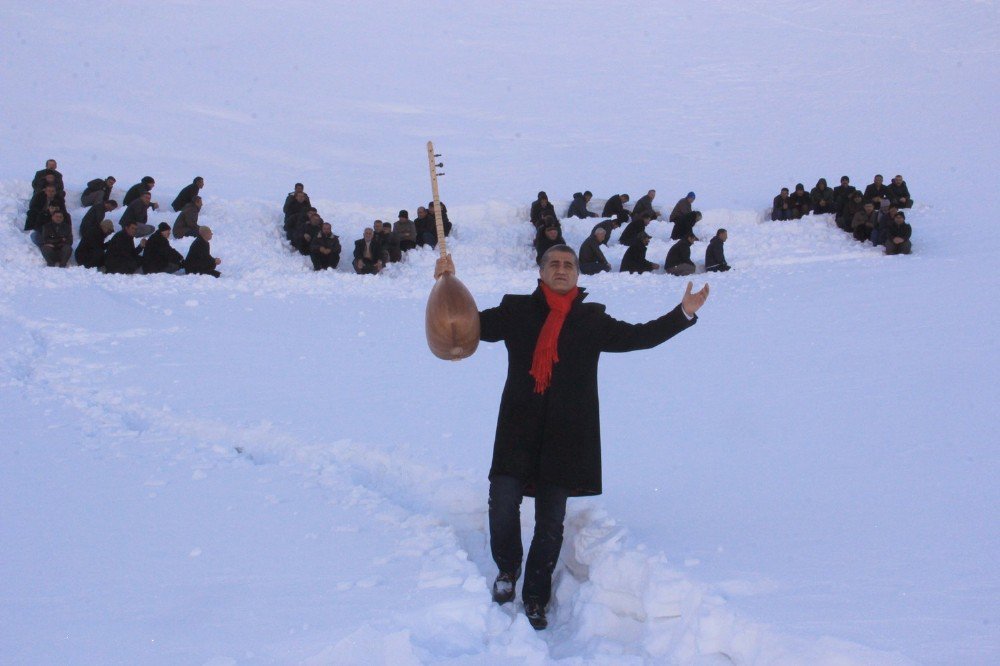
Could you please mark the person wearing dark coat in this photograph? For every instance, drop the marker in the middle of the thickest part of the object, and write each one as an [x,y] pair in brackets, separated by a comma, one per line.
[297,207]
[781,207]
[898,239]
[608,226]
[548,435]
[715,255]
[841,195]
[324,250]
[186,223]
[822,198]
[311,227]
[368,254]
[444,217]
[634,260]
[158,256]
[579,206]
[592,259]
[387,242]
[854,203]
[57,240]
[679,257]
[634,230]
[143,186]
[550,236]
[405,232]
[799,199]
[98,191]
[90,251]
[684,225]
[138,212]
[540,209]
[187,194]
[899,193]
[644,206]
[864,221]
[40,208]
[48,176]
[426,228]
[876,191]
[615,207]
[682,207]
[199,260]
[122,255]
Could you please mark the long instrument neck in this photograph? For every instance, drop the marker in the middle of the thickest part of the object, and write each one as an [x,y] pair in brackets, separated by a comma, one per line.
[439,221]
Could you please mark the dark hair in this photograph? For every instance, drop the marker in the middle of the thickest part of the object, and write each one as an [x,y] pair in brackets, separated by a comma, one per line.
[588,193]
[720,232]
[624,197]
[560,248]
[899,214]
[146,180]
[114,204]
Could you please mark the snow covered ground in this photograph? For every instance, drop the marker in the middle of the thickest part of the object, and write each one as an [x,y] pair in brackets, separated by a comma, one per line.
[271,468]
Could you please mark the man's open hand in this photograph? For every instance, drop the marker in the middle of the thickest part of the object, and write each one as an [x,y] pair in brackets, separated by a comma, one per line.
[691,302]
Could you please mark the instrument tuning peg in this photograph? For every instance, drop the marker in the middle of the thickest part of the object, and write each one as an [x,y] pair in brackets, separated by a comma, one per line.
[441,173]
[437,154]
[439,164]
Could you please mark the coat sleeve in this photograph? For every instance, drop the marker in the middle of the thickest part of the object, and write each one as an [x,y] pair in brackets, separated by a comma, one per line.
[493,323]
[620,336]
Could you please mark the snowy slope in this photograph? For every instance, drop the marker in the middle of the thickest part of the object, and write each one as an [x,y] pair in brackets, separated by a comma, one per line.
[807,476]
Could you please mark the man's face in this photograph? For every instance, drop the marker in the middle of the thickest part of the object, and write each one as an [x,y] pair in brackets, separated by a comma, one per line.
[878,180]
[110,181]
[165,233]
[327,229]
[869,207]
[300,196]
[300,189]
[652,194]
[146,197]
[898,180]
[368,234]
[559,272]
[130,229]
[600,235]
[724,236]
[200,182]
[378,227]
[845,181]
[421,212]
[206,233]
[552,233]
[57,217]
[50,164]
[50,191]
[899,219]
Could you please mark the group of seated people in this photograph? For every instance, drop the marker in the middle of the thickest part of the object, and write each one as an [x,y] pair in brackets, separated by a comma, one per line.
[875,215]
[548,232]
[49,221]
[381,244]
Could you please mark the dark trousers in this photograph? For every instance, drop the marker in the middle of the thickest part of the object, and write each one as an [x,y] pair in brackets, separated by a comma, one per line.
[593,268]
[56,255]
[506,493]
[321,261]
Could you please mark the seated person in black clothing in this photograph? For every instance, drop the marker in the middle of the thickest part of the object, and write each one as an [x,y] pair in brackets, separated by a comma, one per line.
[876,191]
[186,223]
[325,249]
[387,242]
[592,259]
[898,239]
[142,187]
[405,232]
[579,206]
[57,240]
[608,226]
[715,255]
[679,257]
[444,217]
[899,193]
[296,208]
[684,225]
[199,260]
[781,207]
[367,254]
[822,198]
[121,254]
[635,229]
[540,209]
[864,222]
[48,176]
[615,207]
[682,207]
[426,227]
[158,256]
[138,212]
[644,206]
[854,203]
[801,204]
[305,232]
[550,236]
[841,195]
[634,260]
[90,251]
[187,194]
[98,191]
[40,208]
[293,196]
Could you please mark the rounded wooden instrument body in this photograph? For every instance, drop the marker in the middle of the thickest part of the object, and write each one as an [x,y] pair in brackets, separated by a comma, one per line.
[452,319]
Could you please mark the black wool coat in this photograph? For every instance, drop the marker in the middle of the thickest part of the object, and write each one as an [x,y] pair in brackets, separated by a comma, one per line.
[199,259]
[134,193]
[613,207]
[90,251]
[555,437]
[158,254]
[184,197]
[122,255]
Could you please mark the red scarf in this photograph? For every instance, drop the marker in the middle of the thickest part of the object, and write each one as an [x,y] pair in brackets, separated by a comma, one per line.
[547,348]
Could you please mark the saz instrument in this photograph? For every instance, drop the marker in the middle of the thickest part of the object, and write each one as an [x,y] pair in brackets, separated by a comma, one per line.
[452,318]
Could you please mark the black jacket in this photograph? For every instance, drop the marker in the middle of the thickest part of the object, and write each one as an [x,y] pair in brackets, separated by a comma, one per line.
[199,258]
[715,255]
[644,205]
[137,211]
[614,207]
[632,231]
[876,193]
[376,250]
[903,230]
[541,210]
[543,243]
[590,251]
[97,185]
[184,197]
[634,260]
[608,226]
[90,251]
[897,192]
[842,194]
[579,207]
[57,234]
[38,182]
[684,225]
[92,218]
[555,437]
[777,205]
[38,209]
[134,193]
[158,254]
[679,253]
[122,255]
[331,242]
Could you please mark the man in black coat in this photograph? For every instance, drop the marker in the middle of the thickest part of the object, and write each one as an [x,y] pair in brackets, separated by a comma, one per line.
[540,209]
[876,191]
[96,215]
[841,195]
[615,207]
[579,206]
[608,226]
[48,176]
[90,251]
[548,436]
[158,256]
[138,212]
[644,206]
[679,257]
[801,203]
[781,207]
[592,259]
[187,194]
[898,239]
[122,255]
[324,250]
[368,254]
[98,191]
[899,193]
[634,259]
[142,187]
[550,236]
[57,240]
[634,229]
[684,224]
[297,207]
[40,208]
[715,254]
[199,260]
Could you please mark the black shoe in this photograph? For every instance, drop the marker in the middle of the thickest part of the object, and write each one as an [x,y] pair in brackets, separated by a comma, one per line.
[504,586]
[536,615]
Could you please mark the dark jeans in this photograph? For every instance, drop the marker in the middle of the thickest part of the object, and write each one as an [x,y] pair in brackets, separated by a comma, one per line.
[56,255]
[593,268]
[506,493]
